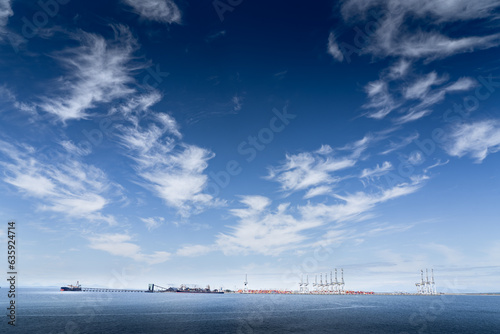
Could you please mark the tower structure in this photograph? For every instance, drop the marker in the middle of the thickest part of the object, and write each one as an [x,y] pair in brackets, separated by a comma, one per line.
[301,283]
[427,282]
[336,282]
[321,286]
[306,285]
[342,284]
[331,283]
[433,284]
[245,290]
[315,284]
[327,284]
[421,285]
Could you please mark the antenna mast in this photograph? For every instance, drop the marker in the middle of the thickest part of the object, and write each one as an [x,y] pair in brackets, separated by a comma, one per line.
[245,290]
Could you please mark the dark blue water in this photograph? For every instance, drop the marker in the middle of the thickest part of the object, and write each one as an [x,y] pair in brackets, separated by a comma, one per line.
[45,311]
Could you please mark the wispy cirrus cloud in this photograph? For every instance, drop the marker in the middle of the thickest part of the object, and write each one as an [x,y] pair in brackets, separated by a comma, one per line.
[67,186]
[5,13]
[318,191]
[399,69]
[462,84]
[194,250]
[333,48]
[414,96]
[394,35]
[6,34]
[163,11]
[309,169]
[356,206]
[394,146]
[172,169]
[381,100]
[98,71]
[71,148]
[377,170]
[428,97]
[153,222]
[119,244]
[433,45]
[476,139]
[420,88]
[356,149]
[264,230]
[340,235]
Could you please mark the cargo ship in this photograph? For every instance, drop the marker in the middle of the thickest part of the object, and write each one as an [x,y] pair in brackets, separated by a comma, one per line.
[76,287]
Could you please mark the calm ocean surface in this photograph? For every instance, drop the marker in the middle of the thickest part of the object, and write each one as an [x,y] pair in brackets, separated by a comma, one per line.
[46,311]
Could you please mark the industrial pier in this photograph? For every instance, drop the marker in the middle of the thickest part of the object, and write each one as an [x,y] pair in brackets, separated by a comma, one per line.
[328,286]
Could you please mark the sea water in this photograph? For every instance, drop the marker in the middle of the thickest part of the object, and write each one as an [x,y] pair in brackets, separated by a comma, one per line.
[52,311]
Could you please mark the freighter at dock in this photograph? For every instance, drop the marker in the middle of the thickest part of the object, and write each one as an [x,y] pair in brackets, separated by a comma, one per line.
[76,287]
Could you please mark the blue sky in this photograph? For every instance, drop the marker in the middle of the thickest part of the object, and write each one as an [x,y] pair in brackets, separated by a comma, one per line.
[175,142]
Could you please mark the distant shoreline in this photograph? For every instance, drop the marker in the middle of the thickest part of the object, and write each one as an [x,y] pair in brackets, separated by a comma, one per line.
[439,294]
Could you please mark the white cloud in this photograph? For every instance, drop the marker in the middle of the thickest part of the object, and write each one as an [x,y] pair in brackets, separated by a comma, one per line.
[99,71]
[433,45]
[358,147]
[338,236]
[461,84]
[416,99]
[333,48]
[67,186]
[317,191]
[395,36]
[416,158]
[6,94]
[413,115]
[477,139]
[399,69]
[377,171]
[173,170]
[153,222]
[6,34]
[194,250]
[8,97]
[254,205]
[164,11]
[437,164]
[309,169]
[403,143]
[261,230]
[5,12]
[71,148]
[380,99]
[120,245]
[420,88]
[135,108]
[237,103]
[355,206]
